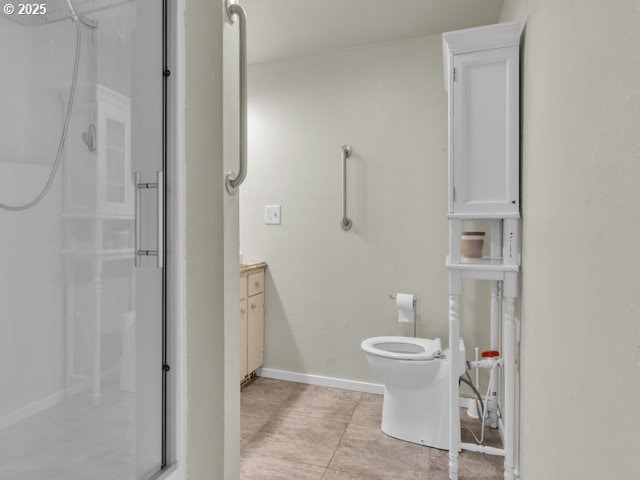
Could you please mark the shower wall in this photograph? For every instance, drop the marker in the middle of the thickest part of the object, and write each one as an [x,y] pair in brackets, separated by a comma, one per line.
[11,134]
[32,287]
[326,289]
[31,298]
[31,295]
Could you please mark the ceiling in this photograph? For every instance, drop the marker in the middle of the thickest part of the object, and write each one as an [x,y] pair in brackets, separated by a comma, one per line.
[279,29]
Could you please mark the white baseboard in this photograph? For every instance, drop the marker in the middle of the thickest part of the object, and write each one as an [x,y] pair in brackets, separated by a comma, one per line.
[31,409]
[49,401]
[333,382]
[321,380]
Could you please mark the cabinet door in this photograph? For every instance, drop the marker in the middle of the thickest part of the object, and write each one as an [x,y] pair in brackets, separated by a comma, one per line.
[115,188]
[255,335]
[243,339]
[485,132]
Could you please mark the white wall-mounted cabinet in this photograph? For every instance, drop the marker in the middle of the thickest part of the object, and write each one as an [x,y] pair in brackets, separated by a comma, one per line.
[482,78]
[102,182]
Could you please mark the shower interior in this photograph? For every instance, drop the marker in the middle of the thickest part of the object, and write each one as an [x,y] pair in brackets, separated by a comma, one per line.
[70,402]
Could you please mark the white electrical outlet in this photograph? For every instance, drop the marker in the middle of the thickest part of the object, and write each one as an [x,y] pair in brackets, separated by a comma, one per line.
[272,214]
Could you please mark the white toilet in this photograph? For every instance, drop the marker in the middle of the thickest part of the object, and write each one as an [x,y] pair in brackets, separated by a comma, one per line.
[415,373]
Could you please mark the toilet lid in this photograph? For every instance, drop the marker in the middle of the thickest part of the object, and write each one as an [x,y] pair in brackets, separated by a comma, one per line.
[403,348]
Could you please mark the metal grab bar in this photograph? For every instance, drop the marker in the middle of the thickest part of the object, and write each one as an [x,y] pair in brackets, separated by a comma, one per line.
[233,180]
[346,222]
[139,252]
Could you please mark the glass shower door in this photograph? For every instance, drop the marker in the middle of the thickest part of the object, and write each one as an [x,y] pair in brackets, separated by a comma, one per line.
[81,327]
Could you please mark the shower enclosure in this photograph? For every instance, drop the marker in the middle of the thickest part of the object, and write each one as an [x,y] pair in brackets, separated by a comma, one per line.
[83,356]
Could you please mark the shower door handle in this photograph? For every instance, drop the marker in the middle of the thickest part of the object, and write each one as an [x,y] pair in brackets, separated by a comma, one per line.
[139,252]
[234,180]
[160,224]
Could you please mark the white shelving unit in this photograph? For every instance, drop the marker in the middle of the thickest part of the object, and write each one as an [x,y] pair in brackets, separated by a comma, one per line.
[482,80]
[99,222]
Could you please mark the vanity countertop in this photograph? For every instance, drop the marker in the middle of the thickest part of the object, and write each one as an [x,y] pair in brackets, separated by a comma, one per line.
[249,266]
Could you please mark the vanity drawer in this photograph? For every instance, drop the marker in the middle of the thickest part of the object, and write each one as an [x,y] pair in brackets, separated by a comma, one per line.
[243,287]
[256,283]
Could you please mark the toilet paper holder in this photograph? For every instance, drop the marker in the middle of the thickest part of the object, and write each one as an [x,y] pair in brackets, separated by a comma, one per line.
[415,323]
[393,297]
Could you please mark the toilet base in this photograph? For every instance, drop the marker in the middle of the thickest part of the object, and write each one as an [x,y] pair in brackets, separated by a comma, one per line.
[418,415]
[415,407]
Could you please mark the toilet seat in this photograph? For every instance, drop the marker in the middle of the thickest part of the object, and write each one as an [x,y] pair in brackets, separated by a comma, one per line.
[403,348]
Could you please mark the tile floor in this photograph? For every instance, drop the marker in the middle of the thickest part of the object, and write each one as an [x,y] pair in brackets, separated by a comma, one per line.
[292,431]
[74,440]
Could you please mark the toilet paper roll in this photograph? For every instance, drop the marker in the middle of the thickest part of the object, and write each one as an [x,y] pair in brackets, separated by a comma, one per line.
[406,308]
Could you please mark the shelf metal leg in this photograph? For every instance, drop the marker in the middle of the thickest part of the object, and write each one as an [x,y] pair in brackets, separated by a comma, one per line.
[509,348]
[97,327]
[492,407]
[70,325]
[455,284]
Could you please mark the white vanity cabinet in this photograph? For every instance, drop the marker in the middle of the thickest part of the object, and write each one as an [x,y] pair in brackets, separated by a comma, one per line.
[482,78]
[251,318]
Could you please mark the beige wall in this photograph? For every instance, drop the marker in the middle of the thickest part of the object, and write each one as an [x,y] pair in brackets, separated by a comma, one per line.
[231,109]
[580,388]
[205,243]
[326,289]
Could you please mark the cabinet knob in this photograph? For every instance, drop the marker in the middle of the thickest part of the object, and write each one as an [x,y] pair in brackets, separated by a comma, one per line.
[253,305]
[257,284]
[242,310]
